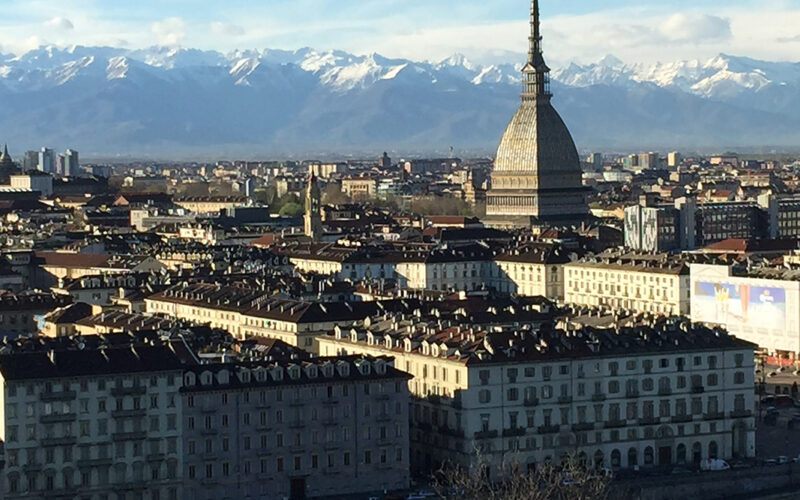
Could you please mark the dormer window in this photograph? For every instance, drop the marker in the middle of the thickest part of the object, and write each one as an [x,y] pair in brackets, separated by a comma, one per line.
[294,372]
[223,377]
[206,378]
[311,371]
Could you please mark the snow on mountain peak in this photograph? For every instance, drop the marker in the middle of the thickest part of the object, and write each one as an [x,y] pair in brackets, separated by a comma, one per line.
[117,68]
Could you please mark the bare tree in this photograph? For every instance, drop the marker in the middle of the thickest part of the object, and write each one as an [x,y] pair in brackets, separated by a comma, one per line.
[569,480]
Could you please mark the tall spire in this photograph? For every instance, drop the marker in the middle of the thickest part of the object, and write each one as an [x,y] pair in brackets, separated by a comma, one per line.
[536,80]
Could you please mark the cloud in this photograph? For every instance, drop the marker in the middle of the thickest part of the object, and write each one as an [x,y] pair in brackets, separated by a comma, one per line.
[59,23]
[220,28]
[789,39]
[685,27]
[170,32]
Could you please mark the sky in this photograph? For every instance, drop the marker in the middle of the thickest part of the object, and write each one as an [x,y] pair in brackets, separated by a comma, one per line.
[486,31]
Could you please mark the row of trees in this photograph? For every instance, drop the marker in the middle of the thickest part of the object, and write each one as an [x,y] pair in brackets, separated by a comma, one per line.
[569,480]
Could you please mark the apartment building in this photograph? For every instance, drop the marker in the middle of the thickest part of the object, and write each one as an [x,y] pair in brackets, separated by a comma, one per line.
[534,271]
[81,420]
[20,313]
[652,283]
[529,270]
[666,393]
[246,312]
[290,429]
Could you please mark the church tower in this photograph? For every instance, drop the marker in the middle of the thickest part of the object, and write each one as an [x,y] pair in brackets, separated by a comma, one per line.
[312,221]
[537,172]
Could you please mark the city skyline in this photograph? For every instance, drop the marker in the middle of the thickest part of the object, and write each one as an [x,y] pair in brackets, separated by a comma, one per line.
[580,30]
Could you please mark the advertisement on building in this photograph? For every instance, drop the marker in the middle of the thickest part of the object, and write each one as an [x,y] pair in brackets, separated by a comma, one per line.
[740,304]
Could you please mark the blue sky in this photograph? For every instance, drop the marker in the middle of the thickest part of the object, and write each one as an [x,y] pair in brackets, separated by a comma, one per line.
[485,31]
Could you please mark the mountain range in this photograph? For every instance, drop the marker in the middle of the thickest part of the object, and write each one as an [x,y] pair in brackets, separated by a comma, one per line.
[163,102]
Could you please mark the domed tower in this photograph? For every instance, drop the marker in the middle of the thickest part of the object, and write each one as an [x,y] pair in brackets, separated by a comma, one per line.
[537,171]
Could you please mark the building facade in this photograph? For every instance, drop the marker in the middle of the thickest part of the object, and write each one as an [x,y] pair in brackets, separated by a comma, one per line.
[92,423]
[318,428]
[670,393]
[657,284]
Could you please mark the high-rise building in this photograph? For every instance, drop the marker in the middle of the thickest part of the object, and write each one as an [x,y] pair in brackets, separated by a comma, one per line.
[60,167]
[596,160]
[312,221]
[537,170]
[674,159]
[47,160]
[30,161]
[72,165]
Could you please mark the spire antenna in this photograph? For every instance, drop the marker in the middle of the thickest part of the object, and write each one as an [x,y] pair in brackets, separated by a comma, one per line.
[536,79]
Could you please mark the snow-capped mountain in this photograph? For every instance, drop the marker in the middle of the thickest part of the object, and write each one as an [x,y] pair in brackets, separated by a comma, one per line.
[167,100]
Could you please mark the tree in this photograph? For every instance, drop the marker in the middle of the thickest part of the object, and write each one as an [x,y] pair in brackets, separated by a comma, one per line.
[291,209]
[333,195]
[570,480]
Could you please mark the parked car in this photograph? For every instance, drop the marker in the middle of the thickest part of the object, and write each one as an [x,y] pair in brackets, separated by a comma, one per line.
[714,464]
[770,461]
[783,369]
[768,400]
[784,401]
[772,374]
[681,470]
[783,459]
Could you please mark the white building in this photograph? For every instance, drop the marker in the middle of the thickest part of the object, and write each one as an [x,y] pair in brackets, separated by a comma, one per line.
[650,283]
[760,305]
[667,394]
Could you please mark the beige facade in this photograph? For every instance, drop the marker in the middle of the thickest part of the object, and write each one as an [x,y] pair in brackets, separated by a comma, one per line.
[360,187]
[633,287]
[620,409]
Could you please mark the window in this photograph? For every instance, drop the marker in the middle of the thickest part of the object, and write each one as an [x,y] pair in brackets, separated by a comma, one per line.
[484,396]
[738,378]
[513,394]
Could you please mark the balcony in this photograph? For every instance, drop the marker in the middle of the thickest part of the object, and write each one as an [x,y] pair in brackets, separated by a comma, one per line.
[136,390]
[718,415]
[486,434]
[296,424]
[681,419]
[649,421]
[129,436]
[514,432]
[615,424]
[698,389]
[598,397]
[383,417]
[548,429]
[58,396]
[664,391]
[94,462]
[741,413]
[206,431]
[62,441]
[57,417]
[531,402]
[564,400]
[448,431]
[583,426]
[138,412]
[385,396]
[155,457]
[632,394]
[297,402]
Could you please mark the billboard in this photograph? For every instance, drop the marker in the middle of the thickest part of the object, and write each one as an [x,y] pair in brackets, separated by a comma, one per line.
[741,305]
